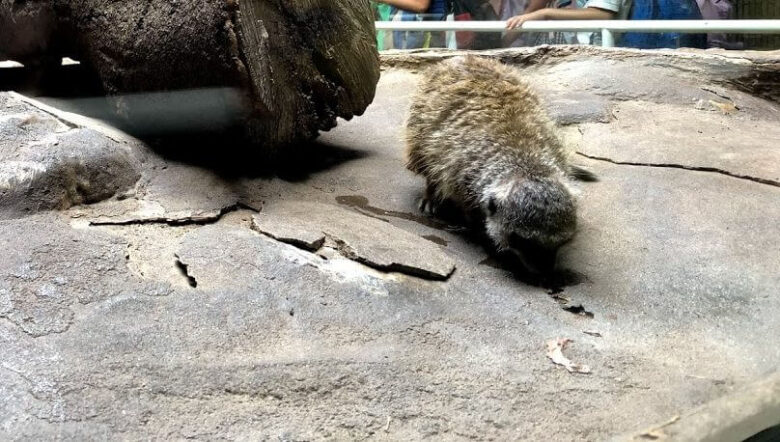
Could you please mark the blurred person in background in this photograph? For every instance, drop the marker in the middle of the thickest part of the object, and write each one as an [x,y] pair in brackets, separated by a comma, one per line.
[507,10]
[564,10]
[478,10]
[568,10]
[664,10]
[416,10]
[718,10]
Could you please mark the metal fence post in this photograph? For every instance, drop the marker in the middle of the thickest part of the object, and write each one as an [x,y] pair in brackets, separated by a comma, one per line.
[607,38]
[452,42]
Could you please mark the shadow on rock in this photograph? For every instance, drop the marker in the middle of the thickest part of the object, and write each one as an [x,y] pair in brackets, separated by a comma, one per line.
[48,78]
[554,281]
[232,157]
[201,127]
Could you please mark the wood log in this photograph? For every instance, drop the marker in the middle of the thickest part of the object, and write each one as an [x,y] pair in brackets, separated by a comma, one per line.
[299,64]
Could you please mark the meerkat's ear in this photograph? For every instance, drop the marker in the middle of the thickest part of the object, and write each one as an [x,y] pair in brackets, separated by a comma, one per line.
[582,174]
[499,191]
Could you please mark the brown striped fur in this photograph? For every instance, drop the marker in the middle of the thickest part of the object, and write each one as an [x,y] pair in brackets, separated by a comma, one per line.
[481,139]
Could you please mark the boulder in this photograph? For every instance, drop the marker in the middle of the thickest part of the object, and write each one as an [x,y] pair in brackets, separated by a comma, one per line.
[49,162]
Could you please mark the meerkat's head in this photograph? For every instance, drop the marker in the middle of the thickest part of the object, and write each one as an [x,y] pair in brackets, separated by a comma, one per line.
[531,218]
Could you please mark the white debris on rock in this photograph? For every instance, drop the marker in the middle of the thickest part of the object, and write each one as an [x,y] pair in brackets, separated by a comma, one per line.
[555,353]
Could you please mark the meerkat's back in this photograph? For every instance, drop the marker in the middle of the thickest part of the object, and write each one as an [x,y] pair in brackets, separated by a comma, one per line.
[472,112]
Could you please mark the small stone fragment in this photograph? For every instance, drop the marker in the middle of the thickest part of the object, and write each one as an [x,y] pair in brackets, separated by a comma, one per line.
[357,237]
[658,433]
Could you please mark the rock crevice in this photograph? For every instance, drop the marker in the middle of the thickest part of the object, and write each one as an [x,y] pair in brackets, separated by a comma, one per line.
[758,180]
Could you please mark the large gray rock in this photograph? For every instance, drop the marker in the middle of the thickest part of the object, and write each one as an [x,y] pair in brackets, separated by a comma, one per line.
[49,163]
[749,79]
[186,322]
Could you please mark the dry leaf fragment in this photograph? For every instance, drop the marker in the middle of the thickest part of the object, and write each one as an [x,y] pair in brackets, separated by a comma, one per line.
[726,108]
[555,353]
[653,435]
[592,333]
[657,433]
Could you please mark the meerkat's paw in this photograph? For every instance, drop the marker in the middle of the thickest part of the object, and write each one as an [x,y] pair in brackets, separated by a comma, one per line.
[428,204]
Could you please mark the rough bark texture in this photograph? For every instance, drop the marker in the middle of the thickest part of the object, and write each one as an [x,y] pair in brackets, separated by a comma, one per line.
[301,63]
[26,29]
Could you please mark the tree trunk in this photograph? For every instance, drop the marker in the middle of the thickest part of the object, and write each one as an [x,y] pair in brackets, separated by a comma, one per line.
[299,64]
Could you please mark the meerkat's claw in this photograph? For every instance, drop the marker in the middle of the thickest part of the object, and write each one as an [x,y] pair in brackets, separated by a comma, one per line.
[426,206]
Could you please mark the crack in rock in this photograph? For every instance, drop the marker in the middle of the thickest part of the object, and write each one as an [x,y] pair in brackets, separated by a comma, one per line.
[765,181]
[184,269]
[348,252]
[578,309]
[199,220]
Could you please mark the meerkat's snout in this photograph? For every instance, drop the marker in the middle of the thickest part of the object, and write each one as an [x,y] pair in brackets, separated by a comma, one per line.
[534,257]
[531,219]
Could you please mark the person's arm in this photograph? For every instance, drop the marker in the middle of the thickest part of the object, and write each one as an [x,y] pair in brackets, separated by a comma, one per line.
[535,5]
[418,6]
[589,13]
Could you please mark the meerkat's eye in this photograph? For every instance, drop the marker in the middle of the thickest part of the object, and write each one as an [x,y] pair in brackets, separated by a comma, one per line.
[492,206]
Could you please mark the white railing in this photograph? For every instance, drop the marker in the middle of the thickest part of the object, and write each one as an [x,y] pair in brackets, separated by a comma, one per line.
[606,27]
[15,64]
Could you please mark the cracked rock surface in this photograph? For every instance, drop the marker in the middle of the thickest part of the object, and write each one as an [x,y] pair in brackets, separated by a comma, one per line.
[207,298]
[40,291]
[652,134]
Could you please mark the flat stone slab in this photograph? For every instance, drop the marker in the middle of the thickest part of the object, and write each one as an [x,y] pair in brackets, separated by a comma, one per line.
[567,108]
[168,192]
[367,240]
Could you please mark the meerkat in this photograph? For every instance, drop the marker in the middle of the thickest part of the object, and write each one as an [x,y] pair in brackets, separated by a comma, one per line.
[484,144]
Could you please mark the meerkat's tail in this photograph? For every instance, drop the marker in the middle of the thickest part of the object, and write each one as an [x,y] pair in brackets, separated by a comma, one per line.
[582,174]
